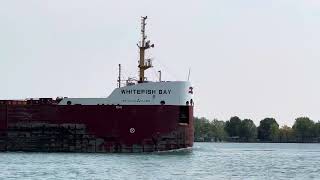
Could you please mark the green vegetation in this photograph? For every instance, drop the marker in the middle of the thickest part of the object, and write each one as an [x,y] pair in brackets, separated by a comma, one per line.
[268,129]
[206,130]
[237,130]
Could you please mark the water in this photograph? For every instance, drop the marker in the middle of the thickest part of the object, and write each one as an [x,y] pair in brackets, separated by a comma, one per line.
[205,161]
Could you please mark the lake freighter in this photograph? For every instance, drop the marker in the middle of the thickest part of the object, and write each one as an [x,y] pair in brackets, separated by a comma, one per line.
[142,116]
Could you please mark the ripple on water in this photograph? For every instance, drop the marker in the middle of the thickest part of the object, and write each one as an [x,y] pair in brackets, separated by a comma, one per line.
[205,161]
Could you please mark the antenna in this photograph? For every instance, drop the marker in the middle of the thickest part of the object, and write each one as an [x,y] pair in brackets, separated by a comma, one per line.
[189,74]
[144,44]
[119,77]
[159,76]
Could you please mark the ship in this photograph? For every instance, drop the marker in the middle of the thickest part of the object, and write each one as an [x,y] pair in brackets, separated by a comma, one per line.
[138,116]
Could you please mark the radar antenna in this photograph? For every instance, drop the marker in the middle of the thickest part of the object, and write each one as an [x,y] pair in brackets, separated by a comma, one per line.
[144,44]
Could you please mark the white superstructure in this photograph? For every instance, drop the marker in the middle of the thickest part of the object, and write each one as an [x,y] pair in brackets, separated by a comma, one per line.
[148,93]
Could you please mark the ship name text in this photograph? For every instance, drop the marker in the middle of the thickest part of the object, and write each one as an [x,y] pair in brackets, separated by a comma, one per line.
[145,91]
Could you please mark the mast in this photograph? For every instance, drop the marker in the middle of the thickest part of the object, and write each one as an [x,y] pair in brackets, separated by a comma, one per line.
[144,44]
[119,77]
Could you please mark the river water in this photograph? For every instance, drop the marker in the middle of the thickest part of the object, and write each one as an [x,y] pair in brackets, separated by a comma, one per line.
[204,161]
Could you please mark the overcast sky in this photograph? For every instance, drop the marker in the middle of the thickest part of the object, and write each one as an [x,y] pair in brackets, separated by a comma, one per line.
[248,58]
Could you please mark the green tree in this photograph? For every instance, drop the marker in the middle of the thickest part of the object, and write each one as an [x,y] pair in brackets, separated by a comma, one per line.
[274,134]
[201,128]
[206,130]
[317,129]
[286,134]
[304,129]
[268,129]
[233,126]
[218,128]
[248,130]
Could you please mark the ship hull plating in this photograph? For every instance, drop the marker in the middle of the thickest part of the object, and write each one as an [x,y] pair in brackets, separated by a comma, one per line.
[95,128]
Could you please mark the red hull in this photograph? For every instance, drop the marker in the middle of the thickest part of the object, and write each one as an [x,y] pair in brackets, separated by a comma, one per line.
[95,128]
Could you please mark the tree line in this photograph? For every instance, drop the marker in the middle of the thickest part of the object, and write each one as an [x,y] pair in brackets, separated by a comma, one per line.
[237,130]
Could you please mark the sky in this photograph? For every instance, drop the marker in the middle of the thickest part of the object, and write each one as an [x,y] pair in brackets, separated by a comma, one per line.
[251,59]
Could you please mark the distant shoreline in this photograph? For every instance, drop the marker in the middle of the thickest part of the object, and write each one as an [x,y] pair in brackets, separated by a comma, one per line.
[238,130]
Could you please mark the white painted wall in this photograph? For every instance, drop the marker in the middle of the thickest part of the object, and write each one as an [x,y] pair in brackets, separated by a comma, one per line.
[150,93]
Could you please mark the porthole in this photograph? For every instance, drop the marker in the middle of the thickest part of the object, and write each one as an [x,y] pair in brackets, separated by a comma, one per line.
[69,103]
[162,102]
